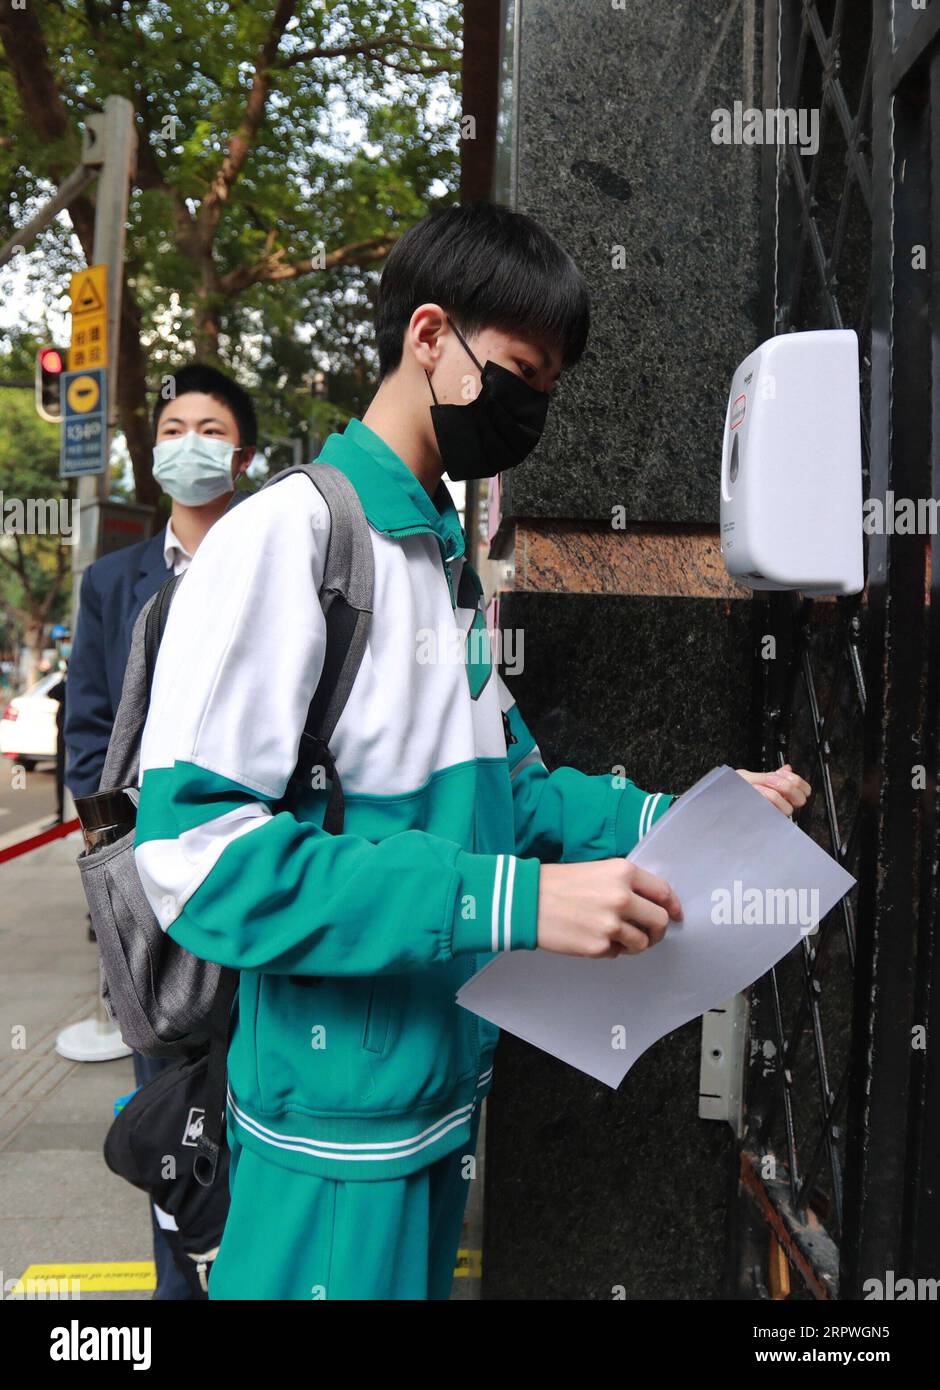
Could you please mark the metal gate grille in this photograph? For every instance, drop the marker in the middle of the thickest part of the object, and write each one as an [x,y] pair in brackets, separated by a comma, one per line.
[840,1153]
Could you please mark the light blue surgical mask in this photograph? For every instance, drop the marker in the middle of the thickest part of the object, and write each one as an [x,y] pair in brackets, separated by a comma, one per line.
[194,469]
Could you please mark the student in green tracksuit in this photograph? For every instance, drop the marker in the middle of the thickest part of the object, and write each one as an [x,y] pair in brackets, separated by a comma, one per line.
[355,1080]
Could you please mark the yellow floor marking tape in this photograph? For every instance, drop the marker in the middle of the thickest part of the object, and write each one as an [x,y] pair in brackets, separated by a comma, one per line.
[90,1276]
[140,1277]
[469,1264]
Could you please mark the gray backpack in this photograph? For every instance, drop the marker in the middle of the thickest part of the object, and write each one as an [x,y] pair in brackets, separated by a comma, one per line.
[166,1001]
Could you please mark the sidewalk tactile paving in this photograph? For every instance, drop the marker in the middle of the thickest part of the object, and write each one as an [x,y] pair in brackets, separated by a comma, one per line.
[35,1073]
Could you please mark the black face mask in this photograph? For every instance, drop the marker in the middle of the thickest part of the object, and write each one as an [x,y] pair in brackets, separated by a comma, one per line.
[495,431]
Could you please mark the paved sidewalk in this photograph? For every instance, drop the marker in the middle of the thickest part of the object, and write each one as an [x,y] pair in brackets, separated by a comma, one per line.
[59,1203]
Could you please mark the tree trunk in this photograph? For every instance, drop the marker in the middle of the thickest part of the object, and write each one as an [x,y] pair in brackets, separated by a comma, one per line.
[132,401]
[207,315]
[32,641]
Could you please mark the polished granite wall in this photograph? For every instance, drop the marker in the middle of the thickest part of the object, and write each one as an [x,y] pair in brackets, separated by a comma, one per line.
[586,1188]
[615,150]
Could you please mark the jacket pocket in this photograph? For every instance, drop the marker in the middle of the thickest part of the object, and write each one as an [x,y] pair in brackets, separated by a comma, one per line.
[375,1030]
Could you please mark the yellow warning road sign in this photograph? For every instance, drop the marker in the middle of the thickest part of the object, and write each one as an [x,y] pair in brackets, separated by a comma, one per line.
[89,290]
[83,394]
[89,345]
[89,295]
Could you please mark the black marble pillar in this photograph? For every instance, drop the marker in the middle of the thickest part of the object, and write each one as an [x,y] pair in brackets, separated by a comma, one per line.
[590,1190]
[614,149]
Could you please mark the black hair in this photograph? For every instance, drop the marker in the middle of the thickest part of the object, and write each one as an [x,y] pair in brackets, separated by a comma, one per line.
[199,376]
[488,267]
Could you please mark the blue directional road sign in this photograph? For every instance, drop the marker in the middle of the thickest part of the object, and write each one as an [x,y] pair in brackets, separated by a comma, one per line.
[84,423]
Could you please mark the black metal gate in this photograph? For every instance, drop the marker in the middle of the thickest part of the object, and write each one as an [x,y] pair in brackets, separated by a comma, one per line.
[841,1154]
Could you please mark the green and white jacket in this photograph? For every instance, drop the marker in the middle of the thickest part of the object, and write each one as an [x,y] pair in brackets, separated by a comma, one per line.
[349,1057]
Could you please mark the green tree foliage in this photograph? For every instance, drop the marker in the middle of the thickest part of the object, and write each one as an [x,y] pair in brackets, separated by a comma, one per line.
[34,568]
[283,147]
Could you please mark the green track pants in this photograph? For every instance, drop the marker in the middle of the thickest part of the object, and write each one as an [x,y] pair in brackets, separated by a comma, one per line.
[293,1236]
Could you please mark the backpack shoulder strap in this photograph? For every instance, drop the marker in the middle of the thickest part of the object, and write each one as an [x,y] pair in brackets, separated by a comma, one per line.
[121,762]
[346,593]
[157,613]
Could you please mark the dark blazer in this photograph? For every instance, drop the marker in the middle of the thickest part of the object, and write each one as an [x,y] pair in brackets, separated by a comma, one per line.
[113,591]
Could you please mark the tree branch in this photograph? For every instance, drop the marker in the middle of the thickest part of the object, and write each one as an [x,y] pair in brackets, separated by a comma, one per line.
[274,267]
[434,71]
[241,139]
[15,566]
[362,49]
[25,47]
[149,173]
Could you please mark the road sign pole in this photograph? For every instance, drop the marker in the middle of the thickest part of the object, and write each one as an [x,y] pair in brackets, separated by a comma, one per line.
[120,161]
[111,142]
[110,145]
[115,147]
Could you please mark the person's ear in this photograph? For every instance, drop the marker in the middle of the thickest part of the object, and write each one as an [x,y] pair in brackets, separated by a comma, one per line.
[424,335]
[241,460]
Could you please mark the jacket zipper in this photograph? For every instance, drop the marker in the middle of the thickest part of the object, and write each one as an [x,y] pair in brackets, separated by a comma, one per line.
[447,560]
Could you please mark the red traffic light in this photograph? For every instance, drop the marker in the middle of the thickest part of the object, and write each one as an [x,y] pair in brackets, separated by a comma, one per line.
[50,360]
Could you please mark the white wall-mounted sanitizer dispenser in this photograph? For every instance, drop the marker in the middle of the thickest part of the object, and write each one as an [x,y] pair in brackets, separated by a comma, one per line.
[791,467]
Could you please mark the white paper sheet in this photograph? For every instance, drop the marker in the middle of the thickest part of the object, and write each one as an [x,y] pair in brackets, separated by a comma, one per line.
[715,845]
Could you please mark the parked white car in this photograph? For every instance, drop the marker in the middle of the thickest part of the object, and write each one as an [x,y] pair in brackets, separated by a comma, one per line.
[27,726]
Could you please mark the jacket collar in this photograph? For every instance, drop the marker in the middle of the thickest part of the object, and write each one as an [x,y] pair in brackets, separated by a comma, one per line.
[392,497]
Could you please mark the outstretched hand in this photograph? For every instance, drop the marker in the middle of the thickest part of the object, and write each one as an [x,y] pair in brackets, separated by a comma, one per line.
[785,788]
